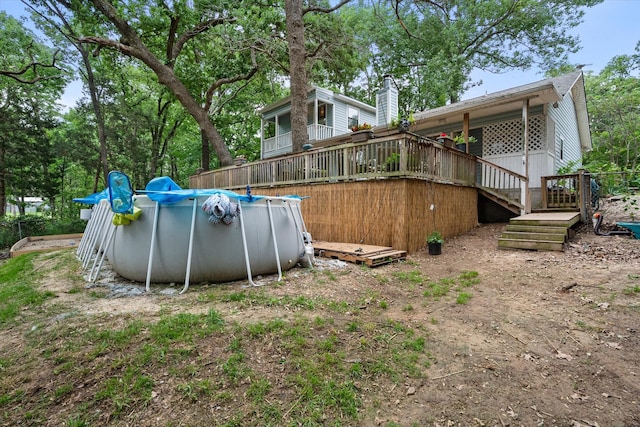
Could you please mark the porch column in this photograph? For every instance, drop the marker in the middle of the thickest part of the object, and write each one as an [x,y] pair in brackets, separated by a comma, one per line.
[261,137]
[465,130]
[525,198]
[315,119]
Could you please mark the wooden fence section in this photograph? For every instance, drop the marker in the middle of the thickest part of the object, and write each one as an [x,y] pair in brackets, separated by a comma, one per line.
[402,156]
[396,213]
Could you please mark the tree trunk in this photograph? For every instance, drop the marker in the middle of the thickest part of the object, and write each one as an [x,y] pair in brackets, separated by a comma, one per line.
[97,110]
[3,178]
[166,76]
[206,155]
[297,73]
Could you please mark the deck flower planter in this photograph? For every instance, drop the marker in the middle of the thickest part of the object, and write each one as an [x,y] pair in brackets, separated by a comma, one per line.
[361,135]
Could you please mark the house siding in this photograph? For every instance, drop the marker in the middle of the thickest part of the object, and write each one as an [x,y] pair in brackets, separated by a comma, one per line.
[386,107]
[566,135]
[337,119]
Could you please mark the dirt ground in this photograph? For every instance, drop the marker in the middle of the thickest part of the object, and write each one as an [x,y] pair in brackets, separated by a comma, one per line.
[546,339]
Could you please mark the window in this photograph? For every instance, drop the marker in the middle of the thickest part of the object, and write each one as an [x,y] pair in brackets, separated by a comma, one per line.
[353,117]
[322,114]
[270,128]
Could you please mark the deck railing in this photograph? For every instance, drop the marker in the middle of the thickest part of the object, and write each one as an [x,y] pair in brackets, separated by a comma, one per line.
[283,141]
[501,182]
[401,156]
[568,192]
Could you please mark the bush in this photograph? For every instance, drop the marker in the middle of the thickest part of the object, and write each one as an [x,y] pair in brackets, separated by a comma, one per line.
[13,229]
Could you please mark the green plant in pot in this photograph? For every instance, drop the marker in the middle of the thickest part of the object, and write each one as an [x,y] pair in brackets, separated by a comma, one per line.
[460,144]
[434,242]
[403,123]
[392,163]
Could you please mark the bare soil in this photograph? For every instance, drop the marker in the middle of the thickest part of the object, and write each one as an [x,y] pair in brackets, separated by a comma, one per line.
[547,338]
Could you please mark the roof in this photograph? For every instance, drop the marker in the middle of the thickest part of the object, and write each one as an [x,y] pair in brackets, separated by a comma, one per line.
[345,99]
[542,92]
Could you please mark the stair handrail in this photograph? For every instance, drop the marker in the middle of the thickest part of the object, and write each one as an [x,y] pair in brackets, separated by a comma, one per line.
[502,182]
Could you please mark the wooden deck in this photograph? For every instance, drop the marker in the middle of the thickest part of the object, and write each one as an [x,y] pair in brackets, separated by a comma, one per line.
[562,219]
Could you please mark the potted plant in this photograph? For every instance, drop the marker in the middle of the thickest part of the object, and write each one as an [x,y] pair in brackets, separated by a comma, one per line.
[392,163]
[461,145]
[403,123]
[435,241]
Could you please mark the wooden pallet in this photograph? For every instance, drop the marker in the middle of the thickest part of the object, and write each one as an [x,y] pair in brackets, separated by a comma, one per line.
[372,256]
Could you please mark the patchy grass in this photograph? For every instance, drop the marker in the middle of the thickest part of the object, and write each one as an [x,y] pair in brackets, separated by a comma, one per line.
[441,287]
[289,370]
[18,289]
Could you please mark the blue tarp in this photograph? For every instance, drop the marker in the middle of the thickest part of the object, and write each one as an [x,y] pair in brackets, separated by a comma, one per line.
[174,196]
[165,191]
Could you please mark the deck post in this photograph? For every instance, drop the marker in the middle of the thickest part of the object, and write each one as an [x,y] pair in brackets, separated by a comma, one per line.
[524,195]
[584,182]
[403,155]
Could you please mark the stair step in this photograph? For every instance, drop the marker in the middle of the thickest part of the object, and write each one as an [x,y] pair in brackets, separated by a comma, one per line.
[540,245]
[536,229]
[519,235]
[543,222]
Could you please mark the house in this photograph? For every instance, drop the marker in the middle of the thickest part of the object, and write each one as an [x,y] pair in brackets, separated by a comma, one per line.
[329,114]
[375,189]
[31,205]
[554,110]
[557,127]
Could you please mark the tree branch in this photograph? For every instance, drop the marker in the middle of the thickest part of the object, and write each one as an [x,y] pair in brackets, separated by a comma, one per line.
[198,29]
[487,32]
[247,76]
[122,47]
[33,65]
[324,9]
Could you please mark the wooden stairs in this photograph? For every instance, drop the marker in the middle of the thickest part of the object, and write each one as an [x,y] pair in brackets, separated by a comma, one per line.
[539,231]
